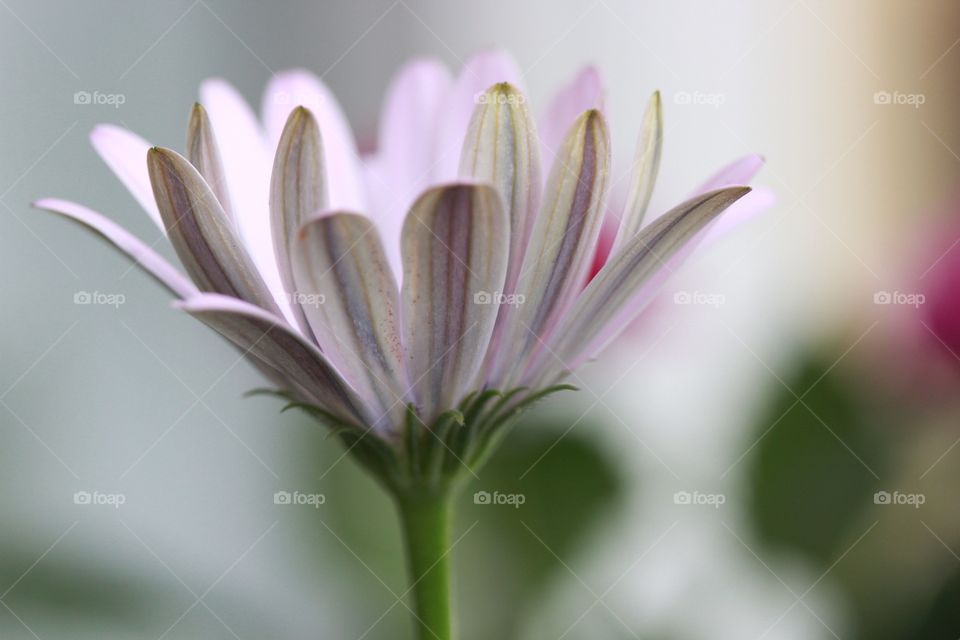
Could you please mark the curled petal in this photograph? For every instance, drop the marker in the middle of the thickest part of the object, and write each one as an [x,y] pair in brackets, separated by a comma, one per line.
[455,243]
[148,259]
[200,232]
[479,72]
[349,296]
[501,148]
[297,189]
[562,243]
[646,163]
[204,155]
[270,340]
[290,89]
[629,281]
[246,164]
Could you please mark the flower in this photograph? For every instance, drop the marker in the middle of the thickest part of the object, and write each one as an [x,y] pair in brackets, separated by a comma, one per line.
[424,293]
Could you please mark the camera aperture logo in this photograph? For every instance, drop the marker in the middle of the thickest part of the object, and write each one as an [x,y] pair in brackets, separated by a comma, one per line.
[99,298]
[697,498]
[99,499]
[496,498]
[299,499]
[499,298]
[114,100]
[915,500]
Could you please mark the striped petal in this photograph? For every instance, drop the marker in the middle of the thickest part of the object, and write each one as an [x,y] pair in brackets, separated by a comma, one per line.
[501,148]
[246,163]
[200,232]
[297,190]
[204,155]
[290,89]
[646,163]
[628,282]
[126,155]
[148,259]
[350,298]
[562,243]
[479,73]
[455,244]
[404,163]
[270,340]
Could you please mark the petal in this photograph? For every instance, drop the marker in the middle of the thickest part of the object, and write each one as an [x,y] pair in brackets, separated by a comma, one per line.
[126,155]
[408,123]
[297,190]
[270,340]
[455,243]
[151,262]
[562,244]
[403,166]
[246,163]
[739,171]
[350,298]
[501,148]
[583,93]
[629,281]
[479,72]
[200,232]
[204,155]
[742,211]
[646,163]
[298,87]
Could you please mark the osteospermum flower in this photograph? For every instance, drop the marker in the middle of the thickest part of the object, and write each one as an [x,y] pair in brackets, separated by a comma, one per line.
[417,298]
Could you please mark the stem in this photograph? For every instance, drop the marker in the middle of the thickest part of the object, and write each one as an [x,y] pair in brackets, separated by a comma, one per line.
[426,520]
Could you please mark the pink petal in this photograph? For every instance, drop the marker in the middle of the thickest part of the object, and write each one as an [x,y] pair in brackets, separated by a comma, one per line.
[291,89]
[129,244]
[583,93]
[126,155]
[246,164]
[403,166]
[738,172]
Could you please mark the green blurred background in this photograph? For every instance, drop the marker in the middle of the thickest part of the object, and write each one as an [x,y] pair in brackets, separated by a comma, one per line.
[784,416]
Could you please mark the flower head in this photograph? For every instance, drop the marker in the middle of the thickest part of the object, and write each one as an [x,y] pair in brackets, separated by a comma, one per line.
[418,296]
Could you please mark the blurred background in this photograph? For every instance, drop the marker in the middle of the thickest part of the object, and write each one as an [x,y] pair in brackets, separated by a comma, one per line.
[772,452]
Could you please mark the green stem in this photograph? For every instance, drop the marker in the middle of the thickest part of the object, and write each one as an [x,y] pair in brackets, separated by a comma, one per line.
[426,520]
